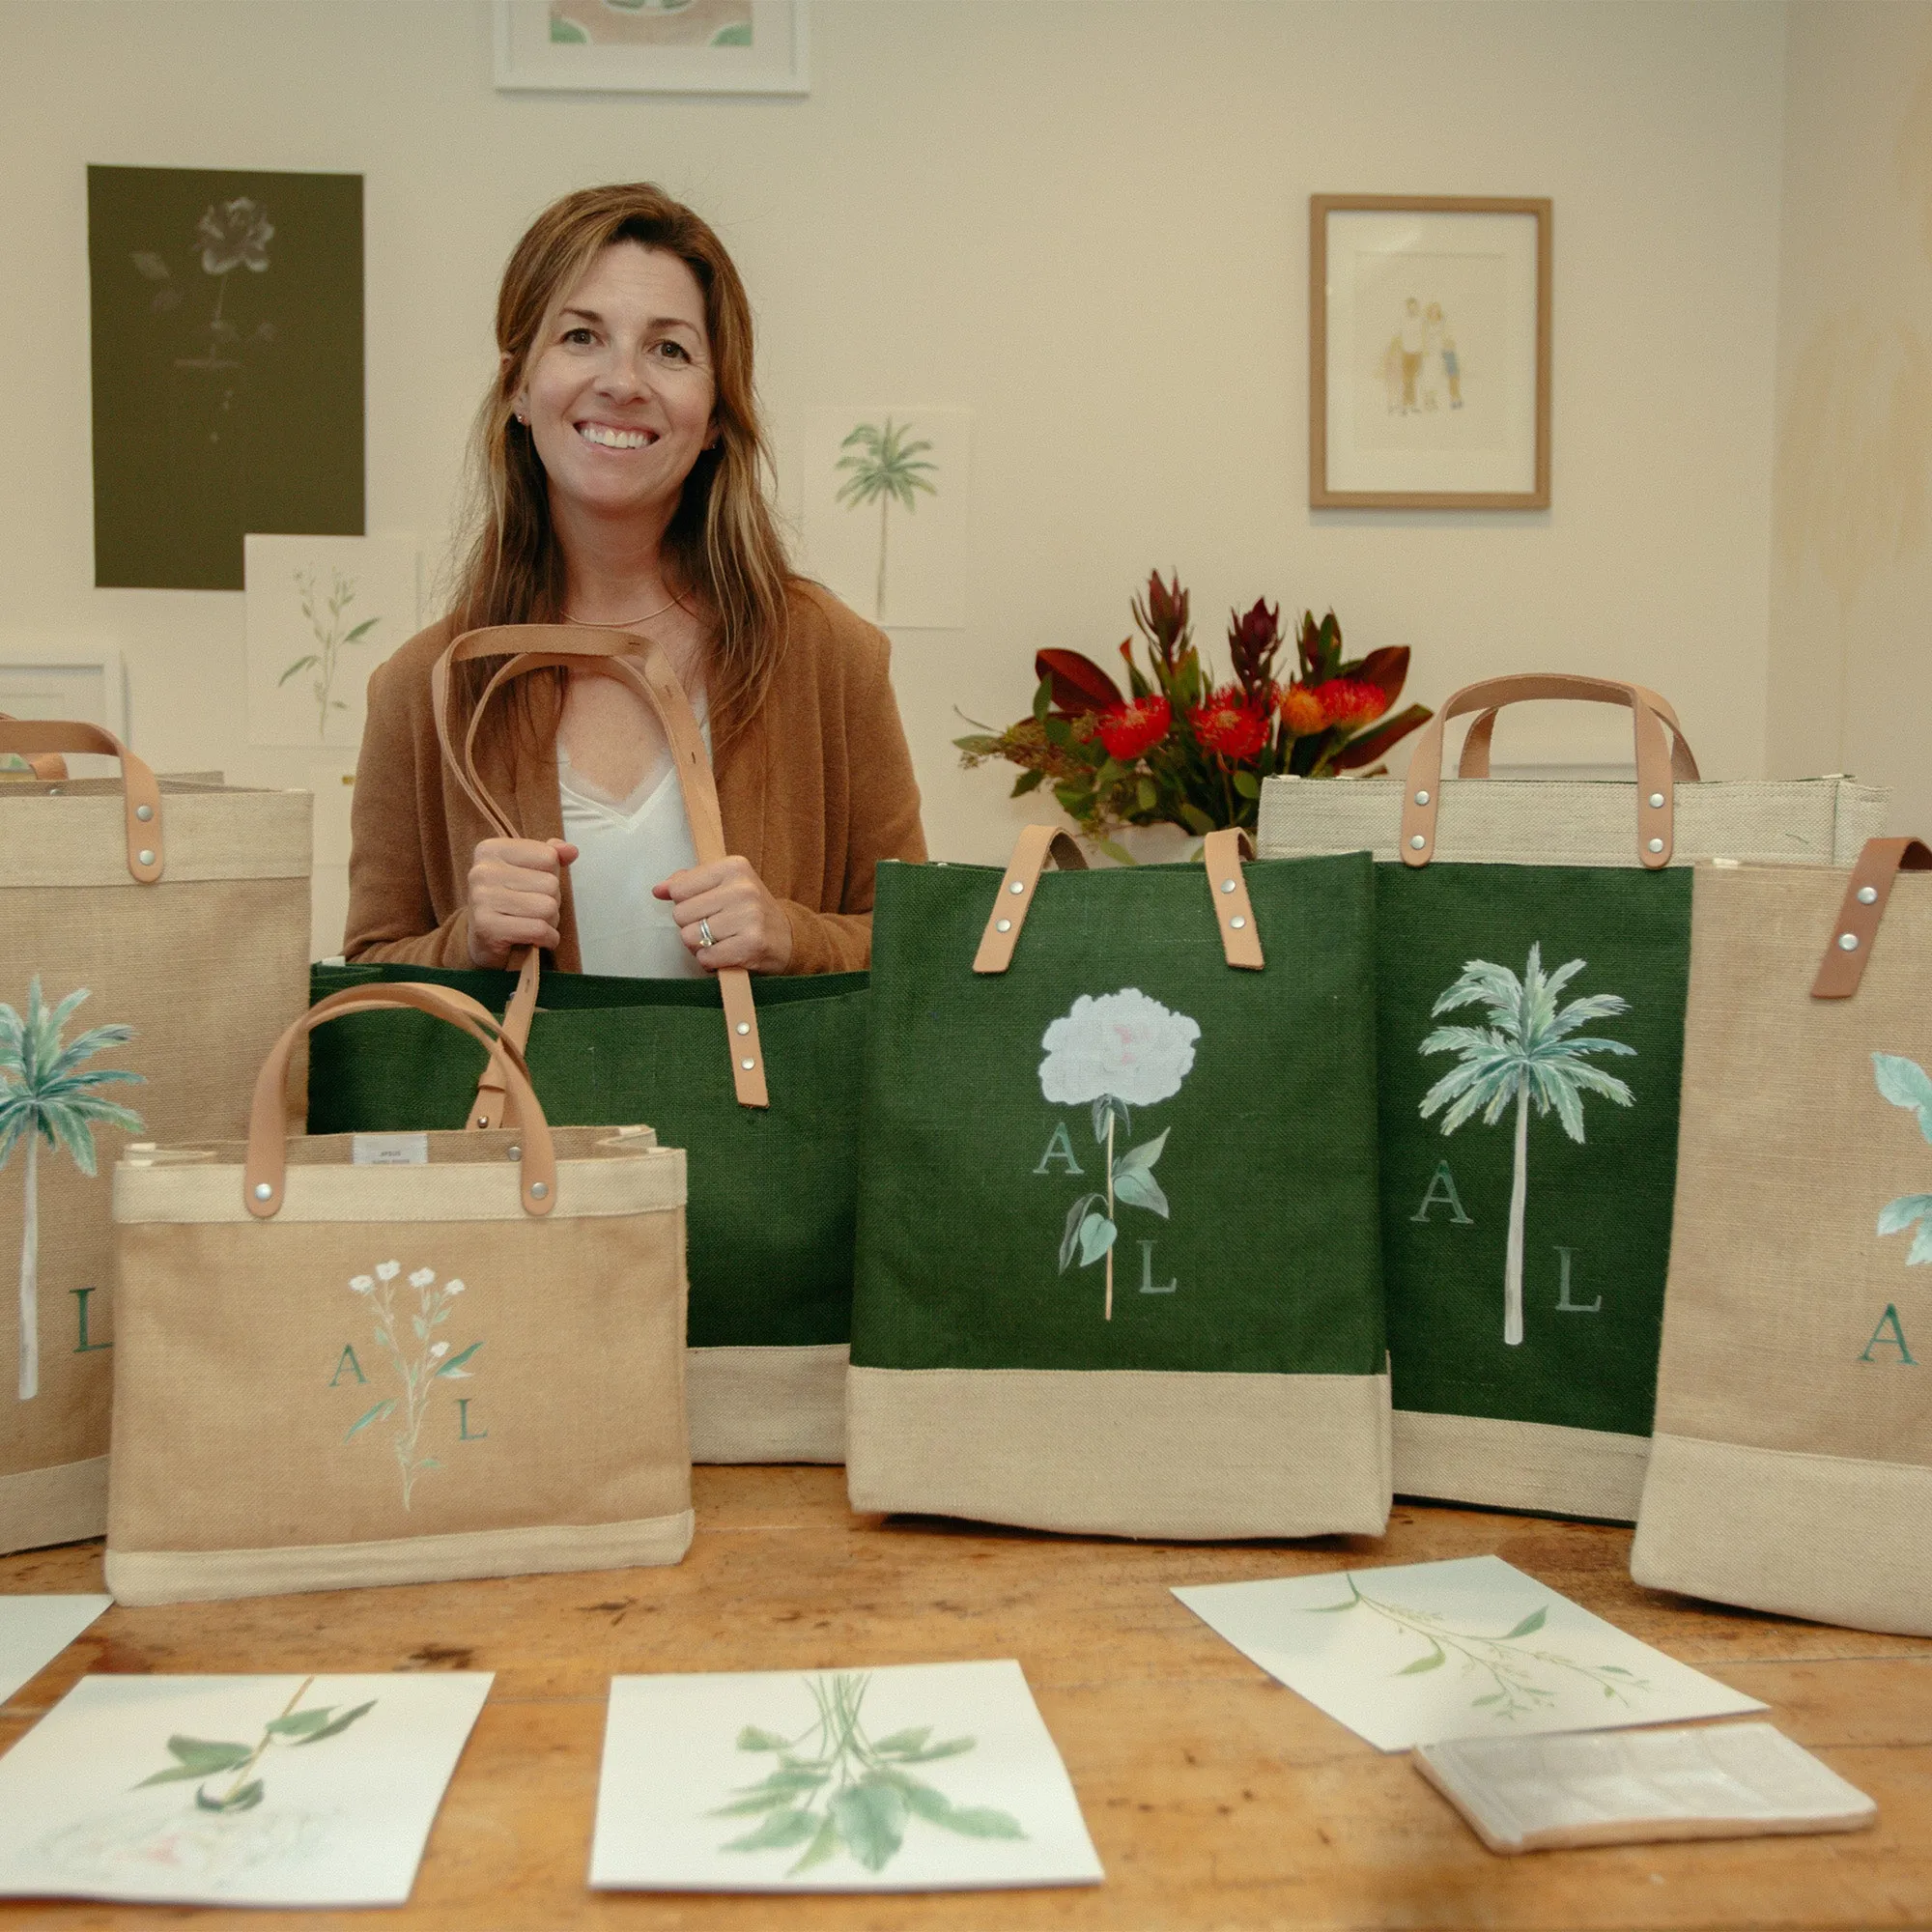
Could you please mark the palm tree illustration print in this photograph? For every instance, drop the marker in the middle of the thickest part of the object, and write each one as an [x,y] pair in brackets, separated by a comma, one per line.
[43,1095]
[1530,1050]
[1905,1083]
[887,469]
[1115,1053]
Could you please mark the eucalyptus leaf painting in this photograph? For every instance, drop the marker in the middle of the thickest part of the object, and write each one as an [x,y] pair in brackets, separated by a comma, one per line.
[227,357]
[266,1791]
[909,1778]
[1413,1653]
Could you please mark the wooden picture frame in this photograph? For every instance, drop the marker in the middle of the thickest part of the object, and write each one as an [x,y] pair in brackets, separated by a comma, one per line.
[1389,424]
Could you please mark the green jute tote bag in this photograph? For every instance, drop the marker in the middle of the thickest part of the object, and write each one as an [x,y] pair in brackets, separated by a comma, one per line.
[1118,1266]
[1533,951]
[772,1145]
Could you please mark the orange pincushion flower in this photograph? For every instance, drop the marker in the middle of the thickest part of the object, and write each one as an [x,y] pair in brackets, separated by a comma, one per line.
[1228,725]
[1133,727]
[1301,711]
[1351,700]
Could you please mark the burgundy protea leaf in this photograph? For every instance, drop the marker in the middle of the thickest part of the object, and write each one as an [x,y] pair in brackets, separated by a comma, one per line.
[1162,615]
[1253,640]
[1386,669]
[1078,683]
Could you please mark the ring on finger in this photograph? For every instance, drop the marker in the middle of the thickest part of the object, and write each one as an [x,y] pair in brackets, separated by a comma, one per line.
[705,936]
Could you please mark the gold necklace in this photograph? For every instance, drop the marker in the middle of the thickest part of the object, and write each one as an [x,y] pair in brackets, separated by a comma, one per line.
[622,623]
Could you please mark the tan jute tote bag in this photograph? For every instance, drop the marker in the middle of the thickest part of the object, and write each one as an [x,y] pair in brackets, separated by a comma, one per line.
[153,941]
[400,1358]
[1791,1469]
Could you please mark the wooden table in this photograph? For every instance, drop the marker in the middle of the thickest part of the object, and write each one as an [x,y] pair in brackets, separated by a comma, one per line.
[1216,1798]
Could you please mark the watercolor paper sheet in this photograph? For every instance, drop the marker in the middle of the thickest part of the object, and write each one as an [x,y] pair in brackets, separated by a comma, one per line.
[912,1777]
[315,1791]
[1412,1654]
[323,614]
[34,1630]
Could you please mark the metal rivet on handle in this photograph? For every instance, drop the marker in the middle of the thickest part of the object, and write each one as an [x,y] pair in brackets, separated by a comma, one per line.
[515,1153]
[1003,925]
[1657,845]
[482,1120]
[744,1026]
[1422,798]
[263,1191]
[1417,843]
[144,857]
[1237,922]
[1656,800]
[539,1189]
[1868,896]
[1227,885]
[748,1065]
[1017,885]
[1848,942]
[144,813]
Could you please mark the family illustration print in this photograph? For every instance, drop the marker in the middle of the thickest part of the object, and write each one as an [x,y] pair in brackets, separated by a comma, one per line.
[836,1790]
[421,1362]
[46,1095]
[1113,1054]
[1530,1050]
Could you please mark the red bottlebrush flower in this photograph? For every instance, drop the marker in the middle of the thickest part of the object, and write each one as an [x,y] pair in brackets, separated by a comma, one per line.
[1136,726]
[1230,726]
[1350,701]
[1301,712]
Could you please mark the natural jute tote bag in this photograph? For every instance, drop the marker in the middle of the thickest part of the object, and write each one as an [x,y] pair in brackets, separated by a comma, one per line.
[1532,954]
[1792,1464]
[773,1145]
[153,941]
[346,1361]
[1118,1258]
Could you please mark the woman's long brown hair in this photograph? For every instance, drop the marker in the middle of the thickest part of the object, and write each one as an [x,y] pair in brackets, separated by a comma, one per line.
[722,543]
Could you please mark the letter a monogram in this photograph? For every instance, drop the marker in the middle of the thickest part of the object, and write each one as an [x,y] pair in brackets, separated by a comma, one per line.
[1059,1147]
[1894,1340]
[1442,1189]
[347,1360]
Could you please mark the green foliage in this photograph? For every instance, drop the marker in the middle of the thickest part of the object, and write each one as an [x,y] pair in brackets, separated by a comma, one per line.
[1905,1083]
[201,1760]
[42,1089]
[884,462]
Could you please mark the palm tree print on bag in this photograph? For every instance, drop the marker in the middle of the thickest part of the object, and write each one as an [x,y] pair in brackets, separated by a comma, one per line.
[887,469]
[1118,1052]
[1905,1083]
[43,1095]
[1530,1050]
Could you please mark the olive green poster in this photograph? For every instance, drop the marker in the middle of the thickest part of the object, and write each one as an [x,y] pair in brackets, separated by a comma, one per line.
[227,312]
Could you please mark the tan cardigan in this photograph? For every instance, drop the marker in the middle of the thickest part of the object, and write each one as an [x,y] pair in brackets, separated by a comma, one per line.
[815,790]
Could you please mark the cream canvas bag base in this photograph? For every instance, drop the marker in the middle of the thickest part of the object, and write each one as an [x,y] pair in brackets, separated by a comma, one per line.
[425,1357]
[160,929]
[1792,1464]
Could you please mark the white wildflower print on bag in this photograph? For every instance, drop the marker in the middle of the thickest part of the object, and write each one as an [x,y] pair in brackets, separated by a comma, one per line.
[419,1367]
[1115,1053]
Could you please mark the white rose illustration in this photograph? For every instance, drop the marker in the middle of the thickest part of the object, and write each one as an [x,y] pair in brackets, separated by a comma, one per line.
[1124,1044]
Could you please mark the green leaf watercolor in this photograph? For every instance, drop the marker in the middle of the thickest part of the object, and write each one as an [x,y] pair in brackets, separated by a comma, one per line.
[203,1760]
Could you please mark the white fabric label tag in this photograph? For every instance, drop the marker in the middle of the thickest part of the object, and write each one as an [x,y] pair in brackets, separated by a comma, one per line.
[390,1150]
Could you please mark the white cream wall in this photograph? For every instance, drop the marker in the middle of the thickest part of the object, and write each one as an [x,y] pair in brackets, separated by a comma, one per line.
[1851,676]
[1083,219]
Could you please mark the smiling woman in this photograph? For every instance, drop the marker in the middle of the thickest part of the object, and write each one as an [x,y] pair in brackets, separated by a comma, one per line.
[623,475]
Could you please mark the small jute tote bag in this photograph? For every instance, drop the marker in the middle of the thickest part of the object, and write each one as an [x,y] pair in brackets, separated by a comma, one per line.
[347,1363]
[1117,1258]
[153,941]
[771,1162]
[1792,1464]
[1533,948]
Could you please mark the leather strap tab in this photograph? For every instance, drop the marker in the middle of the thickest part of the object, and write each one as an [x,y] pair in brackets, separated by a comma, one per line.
[141,795]
[1222,852]
[1656,760]
[264,1174]
[493,1106]
[49,767]
[639,663]
[1031,852]
[1850,945]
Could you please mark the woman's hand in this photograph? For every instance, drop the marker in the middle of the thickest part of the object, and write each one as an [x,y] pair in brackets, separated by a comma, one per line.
[516,897]
[748,926]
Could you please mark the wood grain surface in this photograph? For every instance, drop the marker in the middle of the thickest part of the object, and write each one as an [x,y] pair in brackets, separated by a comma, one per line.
[1216,1798]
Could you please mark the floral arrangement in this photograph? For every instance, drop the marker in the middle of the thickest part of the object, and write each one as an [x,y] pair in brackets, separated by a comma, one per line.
[1176,747]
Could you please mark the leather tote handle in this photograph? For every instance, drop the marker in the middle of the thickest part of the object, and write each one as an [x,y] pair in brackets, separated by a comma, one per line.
[264,1172]
[1473,761]
[1660,760]
[49,767]
[640,663]
[1221,855]
[1843,966]
[141,794]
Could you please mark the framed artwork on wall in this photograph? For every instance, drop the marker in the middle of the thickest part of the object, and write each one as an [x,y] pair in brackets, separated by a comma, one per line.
[63,680]
[1428,353]
[652,46]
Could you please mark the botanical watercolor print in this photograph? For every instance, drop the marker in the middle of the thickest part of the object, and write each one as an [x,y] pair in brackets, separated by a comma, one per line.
[1529,1051]
[419,1368]
[45,1096]
[327,614]
[1115,1053]
[887,465]
[230,235]
[836,1790]
[1905,1083]
[225,1775]
[1521,1678]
